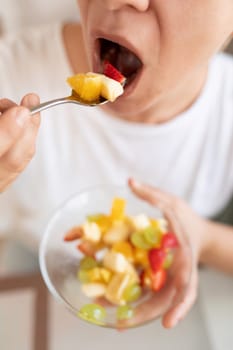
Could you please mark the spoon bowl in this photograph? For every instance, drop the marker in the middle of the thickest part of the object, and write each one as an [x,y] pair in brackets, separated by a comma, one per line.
[73,98]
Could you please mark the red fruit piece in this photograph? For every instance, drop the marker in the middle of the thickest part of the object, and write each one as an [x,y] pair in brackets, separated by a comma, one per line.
[158,279]
[111,72]
[73,234]
[156,258]
[169,240]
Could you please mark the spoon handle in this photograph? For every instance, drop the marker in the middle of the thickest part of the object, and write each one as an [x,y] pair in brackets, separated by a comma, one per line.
[50,104]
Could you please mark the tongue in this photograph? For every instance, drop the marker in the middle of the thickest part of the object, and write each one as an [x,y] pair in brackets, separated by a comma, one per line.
[123,59]
[126,62]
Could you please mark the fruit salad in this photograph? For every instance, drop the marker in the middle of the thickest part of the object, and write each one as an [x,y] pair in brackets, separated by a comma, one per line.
[92,87]
[123,257]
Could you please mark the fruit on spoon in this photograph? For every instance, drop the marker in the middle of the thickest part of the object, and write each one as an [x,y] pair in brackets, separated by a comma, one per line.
[92,87]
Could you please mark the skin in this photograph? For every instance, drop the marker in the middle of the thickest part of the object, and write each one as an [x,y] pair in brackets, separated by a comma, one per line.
[201,240]
[175,41]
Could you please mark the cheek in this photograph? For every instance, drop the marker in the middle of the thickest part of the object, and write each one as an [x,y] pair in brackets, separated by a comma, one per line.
[83,9]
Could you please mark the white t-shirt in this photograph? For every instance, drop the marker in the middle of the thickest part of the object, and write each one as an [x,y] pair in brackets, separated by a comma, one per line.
[190,156]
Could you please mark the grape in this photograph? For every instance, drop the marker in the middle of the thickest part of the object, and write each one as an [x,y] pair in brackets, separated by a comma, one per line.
[139,241]
[132,293]
[152,236]
[88,263]
[124,312]
[83,276]
[93,313]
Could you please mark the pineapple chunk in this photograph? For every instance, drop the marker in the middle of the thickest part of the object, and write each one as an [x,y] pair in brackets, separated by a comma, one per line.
[91,86]
[116,288]
[140,222]
[88,86]
[115,262]
[99,274]
[94,290]
[91,232]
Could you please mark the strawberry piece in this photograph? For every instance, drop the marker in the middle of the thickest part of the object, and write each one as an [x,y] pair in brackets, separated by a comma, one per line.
[169,240]
[111,72]
[156,258]
[158,279]
[73,234]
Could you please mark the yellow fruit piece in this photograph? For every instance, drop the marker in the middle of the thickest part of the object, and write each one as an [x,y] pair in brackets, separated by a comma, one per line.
[91,232]
[88,86]
[160,224]
[94,290]
[116,262]
[141,257]
[116,288]
[118,209]
[124,248]
[104,222]
[106,275]
[118,232]
[99,274]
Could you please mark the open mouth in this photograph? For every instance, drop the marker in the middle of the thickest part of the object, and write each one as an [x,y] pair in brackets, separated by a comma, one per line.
[121,58]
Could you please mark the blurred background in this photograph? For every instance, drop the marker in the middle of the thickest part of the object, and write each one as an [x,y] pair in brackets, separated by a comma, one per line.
[29,318]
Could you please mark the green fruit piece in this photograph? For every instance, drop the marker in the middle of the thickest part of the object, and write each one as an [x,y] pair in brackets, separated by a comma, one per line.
[83,276]
[125,312]
[152,236]
[88,263]
[132,293]
[93,313]
[138,240]
[168,261]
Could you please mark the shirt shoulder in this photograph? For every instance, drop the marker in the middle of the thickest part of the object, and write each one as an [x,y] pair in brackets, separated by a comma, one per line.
[31,59]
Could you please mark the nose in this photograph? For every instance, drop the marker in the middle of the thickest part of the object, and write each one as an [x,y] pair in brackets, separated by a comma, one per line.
[139,5]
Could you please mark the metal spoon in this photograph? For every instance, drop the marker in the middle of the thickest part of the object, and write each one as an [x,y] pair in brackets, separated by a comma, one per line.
[74,98]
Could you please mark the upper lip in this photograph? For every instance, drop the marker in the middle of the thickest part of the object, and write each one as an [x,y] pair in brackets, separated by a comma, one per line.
[119,39]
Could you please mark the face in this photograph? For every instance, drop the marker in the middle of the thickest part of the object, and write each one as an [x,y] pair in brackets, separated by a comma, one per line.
[159,45]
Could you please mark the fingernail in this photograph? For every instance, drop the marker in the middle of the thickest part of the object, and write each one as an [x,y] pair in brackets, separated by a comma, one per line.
[22,117]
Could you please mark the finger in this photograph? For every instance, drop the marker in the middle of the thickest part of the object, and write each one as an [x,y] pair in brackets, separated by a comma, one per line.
[29,101]
[16,159]
[152,195]
[175,226]
[6,104]
[177,313]
[165,202]
[145,192]
[12,123]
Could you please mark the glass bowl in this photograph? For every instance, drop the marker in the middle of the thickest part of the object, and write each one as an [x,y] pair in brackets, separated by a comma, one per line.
[132,299]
